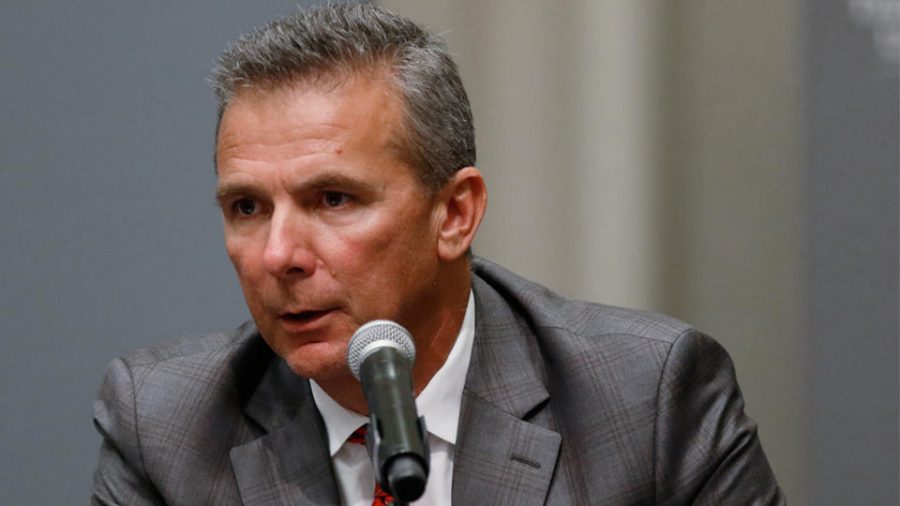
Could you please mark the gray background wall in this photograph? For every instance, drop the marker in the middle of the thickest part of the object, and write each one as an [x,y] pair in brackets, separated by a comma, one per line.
[852,125]
[113,241]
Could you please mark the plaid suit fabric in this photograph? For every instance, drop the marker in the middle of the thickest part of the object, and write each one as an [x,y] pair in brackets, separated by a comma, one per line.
[565,403]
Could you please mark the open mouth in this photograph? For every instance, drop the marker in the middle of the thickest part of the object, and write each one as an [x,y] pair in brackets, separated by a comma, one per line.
[305,316]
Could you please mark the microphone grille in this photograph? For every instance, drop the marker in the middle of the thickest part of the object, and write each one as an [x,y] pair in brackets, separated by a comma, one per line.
[377,334]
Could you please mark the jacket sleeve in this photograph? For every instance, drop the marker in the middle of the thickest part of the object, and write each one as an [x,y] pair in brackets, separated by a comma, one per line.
[120,477]
[707,449]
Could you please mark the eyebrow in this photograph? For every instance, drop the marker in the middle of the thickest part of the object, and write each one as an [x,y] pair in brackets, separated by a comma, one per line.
[328,180]
[324,181]
[231,189]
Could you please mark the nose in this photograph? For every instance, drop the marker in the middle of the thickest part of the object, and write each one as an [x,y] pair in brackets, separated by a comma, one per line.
[287,251]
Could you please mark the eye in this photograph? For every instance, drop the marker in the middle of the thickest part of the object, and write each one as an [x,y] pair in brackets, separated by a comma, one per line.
[335,199]
[244,207]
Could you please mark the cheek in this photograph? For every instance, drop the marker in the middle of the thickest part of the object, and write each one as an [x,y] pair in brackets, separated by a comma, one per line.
[236,255]
[246,263]
[363,243]
[365,261]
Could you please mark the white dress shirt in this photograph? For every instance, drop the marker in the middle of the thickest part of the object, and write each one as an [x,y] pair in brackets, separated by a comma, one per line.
[439,403]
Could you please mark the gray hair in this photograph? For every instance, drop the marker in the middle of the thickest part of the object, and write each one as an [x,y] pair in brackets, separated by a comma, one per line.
[334,41]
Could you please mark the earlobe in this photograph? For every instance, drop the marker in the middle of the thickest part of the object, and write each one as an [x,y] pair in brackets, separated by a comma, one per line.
[464,200]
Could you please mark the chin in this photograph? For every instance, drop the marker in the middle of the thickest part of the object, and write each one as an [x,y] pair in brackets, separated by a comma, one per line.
[319,361]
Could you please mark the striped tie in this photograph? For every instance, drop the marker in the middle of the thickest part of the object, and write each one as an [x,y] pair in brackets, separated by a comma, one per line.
[381,498]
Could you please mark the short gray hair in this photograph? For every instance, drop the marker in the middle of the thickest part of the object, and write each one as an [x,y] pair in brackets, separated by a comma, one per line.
[329,41]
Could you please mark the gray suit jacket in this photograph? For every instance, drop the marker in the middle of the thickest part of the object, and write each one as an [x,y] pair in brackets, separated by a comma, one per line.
[565,403]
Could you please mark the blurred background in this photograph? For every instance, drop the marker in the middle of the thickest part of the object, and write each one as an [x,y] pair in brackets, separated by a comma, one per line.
[734,164]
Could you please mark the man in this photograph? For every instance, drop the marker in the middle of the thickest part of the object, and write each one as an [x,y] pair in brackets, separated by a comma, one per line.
[345,161]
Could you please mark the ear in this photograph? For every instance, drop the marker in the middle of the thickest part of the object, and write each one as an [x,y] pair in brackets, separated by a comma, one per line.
[463,200]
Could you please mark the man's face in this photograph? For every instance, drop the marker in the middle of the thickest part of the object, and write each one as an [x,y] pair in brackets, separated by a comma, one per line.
[326,226]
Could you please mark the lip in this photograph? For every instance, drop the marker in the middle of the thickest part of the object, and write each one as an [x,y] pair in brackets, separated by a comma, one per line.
[304,320]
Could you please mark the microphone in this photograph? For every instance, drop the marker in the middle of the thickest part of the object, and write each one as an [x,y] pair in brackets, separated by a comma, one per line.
[380,355]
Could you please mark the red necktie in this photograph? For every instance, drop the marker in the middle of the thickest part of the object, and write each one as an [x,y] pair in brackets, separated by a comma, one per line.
[381,497]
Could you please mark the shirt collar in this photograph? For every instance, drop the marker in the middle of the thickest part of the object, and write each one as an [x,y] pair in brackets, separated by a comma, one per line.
[439,402]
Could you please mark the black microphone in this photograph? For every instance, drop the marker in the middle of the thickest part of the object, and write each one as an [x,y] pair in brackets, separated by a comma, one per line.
[381,354]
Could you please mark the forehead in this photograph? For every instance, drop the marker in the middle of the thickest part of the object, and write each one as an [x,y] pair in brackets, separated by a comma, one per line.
[362,111]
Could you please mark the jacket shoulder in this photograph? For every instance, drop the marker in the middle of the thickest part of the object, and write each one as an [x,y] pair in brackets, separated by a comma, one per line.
[169,414]
[208,367]
[185,347]
[549,311]
[630,391]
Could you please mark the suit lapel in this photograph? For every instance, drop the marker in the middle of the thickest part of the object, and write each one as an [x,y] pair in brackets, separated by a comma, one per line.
[291,463]
[502,456]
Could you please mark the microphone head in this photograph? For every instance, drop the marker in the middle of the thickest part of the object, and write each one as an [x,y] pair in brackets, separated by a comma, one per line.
[375,335]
